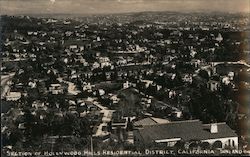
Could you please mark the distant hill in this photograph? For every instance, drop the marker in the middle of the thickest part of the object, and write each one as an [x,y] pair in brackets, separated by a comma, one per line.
[135,14]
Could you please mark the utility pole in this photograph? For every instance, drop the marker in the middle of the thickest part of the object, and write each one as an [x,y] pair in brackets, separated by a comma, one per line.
[91,145]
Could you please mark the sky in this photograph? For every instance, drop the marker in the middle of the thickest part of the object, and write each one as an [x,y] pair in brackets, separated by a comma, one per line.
[119,6]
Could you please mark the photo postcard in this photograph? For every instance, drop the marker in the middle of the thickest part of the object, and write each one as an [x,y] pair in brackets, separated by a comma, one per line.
[124,78]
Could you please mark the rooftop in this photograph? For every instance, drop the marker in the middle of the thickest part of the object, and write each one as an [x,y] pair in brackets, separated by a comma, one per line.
[186,130]
[150,121]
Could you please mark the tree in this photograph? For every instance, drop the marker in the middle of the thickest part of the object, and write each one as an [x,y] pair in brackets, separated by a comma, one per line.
[217,144]
[179,145]
[204,74]
[205,145]
[29,120]
[227,91]
[194,144]
[15,136]
[72,125]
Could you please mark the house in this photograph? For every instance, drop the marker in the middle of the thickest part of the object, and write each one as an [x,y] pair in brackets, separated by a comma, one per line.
[87,87]
[219,134]
[219,38]
[195,62]
[56,89]
[13,96]
[104,62]
[146,102]
[38,104]
[130,138]
[177,113]
[126,85]
[147,83]
[193,53]
[119,124]
[72,90]
[71,47]
[213,85]
[108,75]
[21,126]
[113,98]
[231,75]
[121,61]
[225,80]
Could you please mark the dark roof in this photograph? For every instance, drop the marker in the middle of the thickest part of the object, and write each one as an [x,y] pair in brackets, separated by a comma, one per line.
[186,130]
[145,122]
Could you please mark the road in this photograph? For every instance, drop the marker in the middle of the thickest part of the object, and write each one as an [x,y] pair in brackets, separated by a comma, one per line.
[107,116]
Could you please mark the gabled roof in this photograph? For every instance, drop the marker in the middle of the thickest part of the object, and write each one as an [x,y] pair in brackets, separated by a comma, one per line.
[186,130]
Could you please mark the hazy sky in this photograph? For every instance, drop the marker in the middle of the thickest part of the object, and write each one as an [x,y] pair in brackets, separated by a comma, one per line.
[119,6]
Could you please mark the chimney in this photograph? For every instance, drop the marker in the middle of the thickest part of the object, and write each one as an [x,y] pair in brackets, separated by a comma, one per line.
[214,128]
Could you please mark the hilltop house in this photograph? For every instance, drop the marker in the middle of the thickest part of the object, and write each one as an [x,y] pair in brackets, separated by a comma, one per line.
[219,134]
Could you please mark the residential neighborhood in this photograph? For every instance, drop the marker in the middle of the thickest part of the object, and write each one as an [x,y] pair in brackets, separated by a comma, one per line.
[136,81]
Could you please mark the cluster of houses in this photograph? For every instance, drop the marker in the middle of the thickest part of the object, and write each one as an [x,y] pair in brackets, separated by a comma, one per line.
[73,64]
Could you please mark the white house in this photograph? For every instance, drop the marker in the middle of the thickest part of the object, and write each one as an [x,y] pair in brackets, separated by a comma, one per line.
[56,89]
[219,134]
[213,85]
[219,38]
[13,96]
[104,62]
